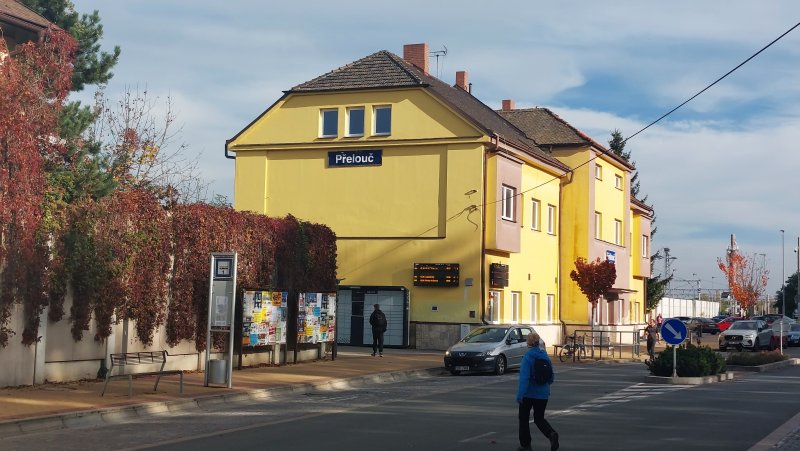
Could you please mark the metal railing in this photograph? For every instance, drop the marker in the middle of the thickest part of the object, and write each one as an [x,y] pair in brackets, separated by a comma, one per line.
[612,343]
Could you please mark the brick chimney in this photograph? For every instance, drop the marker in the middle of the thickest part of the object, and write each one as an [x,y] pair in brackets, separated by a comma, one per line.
[462,80]
[509,105]
[417,54]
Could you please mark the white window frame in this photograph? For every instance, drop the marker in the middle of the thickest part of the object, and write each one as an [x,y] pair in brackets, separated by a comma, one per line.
[536,217]
[322,122]
[644,246]
[598,172]
[508,210]
[551,300]
[534,306]
[348,110]
[618,232]
[515,300]
[598,225]
[618,182]
[551,219]
[495,298]
[375,120]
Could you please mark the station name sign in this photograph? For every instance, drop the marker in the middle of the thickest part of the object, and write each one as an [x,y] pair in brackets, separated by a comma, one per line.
[346,158]
[436,274]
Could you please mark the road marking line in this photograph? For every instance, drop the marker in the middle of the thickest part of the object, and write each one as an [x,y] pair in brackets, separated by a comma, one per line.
[476,437]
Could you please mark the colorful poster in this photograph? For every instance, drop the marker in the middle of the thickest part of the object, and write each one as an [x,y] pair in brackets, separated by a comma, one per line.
[264,318]
[316,318]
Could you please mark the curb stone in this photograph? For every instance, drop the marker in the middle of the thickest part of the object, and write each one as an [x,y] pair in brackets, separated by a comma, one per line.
[700,380]
[93,417]
[767,366]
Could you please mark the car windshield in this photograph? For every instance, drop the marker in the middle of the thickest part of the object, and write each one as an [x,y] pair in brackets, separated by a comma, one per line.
[744,325]
[486,335]
[795,327]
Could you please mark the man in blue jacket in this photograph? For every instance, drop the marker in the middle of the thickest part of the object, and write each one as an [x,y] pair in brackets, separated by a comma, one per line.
[533,395]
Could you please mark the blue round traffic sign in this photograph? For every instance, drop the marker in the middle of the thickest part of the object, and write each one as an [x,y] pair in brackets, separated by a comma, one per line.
[673,331]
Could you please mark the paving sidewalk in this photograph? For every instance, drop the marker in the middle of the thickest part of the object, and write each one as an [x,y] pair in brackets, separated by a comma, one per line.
[55,406]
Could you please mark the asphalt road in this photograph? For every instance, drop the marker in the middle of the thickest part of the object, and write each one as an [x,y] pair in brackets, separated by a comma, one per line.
[593,406]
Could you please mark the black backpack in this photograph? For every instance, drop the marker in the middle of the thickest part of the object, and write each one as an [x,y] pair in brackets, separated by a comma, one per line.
[542,371]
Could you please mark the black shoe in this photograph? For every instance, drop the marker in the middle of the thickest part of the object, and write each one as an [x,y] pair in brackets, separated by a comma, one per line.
[554,441]
[373,354]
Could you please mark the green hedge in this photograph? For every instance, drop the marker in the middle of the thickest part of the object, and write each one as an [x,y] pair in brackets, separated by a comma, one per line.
[755,359]
[693,361]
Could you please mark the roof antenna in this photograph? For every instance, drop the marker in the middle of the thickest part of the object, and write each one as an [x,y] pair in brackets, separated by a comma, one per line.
[437,54]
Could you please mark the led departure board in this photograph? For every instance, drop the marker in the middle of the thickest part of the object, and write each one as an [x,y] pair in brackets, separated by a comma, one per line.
[436,274]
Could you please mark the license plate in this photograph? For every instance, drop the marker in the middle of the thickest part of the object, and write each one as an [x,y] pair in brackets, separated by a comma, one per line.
[462,368]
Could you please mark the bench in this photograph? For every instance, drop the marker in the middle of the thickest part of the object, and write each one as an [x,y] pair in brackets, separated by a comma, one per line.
[134,359]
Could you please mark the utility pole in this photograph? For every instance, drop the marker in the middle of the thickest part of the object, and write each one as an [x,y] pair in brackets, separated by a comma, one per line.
[783,286]
[797,293]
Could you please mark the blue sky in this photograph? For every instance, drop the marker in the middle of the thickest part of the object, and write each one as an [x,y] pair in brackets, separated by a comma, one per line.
[727,162]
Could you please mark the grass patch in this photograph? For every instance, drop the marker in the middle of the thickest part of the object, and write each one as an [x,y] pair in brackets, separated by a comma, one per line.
[755,359]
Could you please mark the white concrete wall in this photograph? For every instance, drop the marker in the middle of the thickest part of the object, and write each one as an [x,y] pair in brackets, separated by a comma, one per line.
[670,307]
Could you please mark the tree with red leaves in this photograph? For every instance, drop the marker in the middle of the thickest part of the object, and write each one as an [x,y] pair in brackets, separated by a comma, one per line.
[746,279]
[34,83]
[594,279]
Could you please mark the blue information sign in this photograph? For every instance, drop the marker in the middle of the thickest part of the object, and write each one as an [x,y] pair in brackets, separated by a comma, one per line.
[673,331]
[345,158]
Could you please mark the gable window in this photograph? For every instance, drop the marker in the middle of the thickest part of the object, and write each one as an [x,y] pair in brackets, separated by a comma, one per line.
[644,247]
[534,306]
[598,225]
[617,182]
[383,120]
[618,232]
[355,121]
[509,197]
[535,214]
[598,172]
[329,123]
[551,219]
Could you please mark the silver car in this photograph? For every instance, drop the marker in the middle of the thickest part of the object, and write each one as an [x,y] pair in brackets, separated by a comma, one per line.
[747,334]
[493,348]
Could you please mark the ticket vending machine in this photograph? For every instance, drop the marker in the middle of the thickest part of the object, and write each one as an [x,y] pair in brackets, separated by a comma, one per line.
[221,314]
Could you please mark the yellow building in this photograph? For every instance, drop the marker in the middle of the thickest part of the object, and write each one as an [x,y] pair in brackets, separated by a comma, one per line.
[447,213]
[601,220]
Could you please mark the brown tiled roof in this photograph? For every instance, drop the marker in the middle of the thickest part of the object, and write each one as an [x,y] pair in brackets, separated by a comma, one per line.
[386,70]
[548,129]
[16,10]
[641,205]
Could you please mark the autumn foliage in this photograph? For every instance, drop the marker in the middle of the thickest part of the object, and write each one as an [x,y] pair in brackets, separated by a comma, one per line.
[594,278]
[747,281]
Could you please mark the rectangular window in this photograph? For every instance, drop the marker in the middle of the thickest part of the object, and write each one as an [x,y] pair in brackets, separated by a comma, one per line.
[551,219]
[598,172]
[617,182]
[355,121]
[618,232]
[329,123]
[534,307]
[551,300]
[535,213]
[494,306]
[509,198]
[515,298]
[645,253]
[598,225]
[383,120]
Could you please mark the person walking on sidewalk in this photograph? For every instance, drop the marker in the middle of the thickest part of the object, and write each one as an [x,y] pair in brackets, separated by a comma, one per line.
[535,377]
[378,322]
[650,335]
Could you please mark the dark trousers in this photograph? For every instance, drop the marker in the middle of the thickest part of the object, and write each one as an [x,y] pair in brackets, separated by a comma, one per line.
[651,346]
[377,341]
[539,406]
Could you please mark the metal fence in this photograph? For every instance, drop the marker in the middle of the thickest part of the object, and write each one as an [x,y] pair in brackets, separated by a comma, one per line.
[607,343]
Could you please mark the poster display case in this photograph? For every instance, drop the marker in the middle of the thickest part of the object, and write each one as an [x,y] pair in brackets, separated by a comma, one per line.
[316,318]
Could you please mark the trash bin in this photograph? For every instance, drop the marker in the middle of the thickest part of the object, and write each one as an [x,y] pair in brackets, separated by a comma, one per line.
[217,371]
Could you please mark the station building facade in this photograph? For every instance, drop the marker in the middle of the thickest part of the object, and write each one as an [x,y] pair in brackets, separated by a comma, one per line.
[447,212]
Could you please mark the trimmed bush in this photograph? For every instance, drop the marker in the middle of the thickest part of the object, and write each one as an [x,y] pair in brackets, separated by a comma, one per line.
[693,361]
[755,359]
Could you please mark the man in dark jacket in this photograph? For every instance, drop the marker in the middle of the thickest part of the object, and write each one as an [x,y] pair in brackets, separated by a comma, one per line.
[378,322]
[533,395]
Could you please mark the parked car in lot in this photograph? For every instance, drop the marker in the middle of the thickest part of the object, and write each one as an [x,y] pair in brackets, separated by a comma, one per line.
[726,323]
[684,319]
[493,348]
[718,318]
[772,317]
[794,335]
[747,334]
[707,326]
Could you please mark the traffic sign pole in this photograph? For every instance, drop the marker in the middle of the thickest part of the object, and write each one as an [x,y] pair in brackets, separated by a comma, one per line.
[674,331]
[674,362]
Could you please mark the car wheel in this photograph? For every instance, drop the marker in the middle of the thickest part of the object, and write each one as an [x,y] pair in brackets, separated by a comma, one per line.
[455,373]
[500,365]
[722,349]
[756,345]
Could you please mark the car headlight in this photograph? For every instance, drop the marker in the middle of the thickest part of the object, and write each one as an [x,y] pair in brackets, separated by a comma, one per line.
[447,353]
